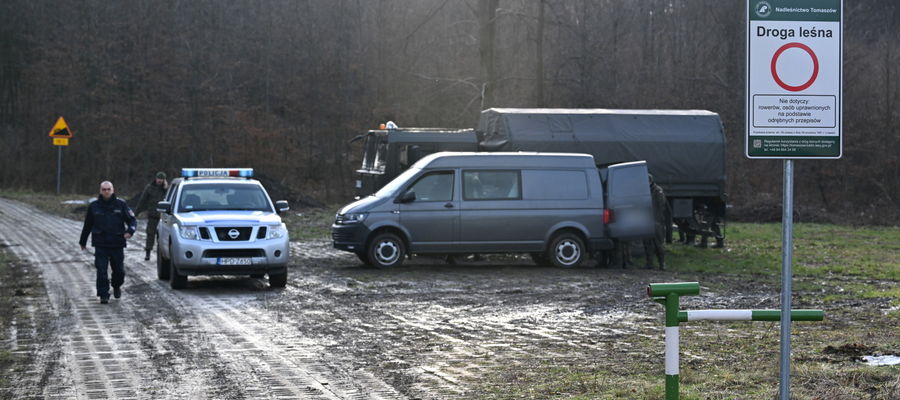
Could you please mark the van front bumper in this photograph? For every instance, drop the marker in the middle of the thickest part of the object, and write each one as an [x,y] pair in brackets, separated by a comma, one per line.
[350,237]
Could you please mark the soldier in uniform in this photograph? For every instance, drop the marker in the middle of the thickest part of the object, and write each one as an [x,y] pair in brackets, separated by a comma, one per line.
[710,227]
[110,223]
[655,245]
[153,193]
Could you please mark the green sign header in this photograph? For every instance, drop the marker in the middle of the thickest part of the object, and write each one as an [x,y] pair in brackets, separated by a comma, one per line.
[795,10]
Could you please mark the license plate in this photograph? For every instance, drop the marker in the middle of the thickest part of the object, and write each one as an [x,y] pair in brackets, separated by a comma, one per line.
[234,261]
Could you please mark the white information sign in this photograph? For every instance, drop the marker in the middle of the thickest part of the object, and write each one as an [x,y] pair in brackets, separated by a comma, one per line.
[794,79]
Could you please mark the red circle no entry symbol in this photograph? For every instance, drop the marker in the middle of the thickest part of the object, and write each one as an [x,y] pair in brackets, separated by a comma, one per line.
[815,72]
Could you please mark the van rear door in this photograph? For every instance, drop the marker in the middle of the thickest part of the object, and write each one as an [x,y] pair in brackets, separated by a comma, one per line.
[629,202]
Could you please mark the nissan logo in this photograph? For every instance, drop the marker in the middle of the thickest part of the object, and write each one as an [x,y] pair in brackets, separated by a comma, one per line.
[233,233]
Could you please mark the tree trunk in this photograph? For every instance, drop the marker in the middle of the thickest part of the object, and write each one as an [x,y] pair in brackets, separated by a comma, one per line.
[487,14]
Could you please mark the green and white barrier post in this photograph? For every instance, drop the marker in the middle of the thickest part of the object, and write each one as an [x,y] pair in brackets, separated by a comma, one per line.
[668,294]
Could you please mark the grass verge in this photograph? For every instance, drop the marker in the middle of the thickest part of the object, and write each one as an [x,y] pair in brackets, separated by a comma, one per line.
[310,223]
[853,273]
[53,203]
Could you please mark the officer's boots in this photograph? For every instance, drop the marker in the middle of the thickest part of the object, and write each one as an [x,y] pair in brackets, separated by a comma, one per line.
[147,256]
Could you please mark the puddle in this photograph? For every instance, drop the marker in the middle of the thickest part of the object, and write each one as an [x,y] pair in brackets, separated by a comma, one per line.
[881,360]
[76,201]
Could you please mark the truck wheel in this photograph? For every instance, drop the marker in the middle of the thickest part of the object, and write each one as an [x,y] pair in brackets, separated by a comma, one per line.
[386,250]
[364,257]
[278,280]
[541,259]
[162,266]
[566,250]
[176,281]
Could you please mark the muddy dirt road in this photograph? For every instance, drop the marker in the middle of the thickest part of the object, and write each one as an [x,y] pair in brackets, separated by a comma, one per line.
[338,331]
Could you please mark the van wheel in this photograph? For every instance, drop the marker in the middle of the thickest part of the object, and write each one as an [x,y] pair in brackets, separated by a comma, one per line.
[541,259]
[162,266]
[566,250]
[176,281]
[386,250]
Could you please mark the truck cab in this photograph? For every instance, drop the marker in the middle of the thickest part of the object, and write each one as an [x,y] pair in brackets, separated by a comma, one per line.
[390,151]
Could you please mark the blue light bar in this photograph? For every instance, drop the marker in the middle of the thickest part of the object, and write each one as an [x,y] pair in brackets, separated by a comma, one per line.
[216,172]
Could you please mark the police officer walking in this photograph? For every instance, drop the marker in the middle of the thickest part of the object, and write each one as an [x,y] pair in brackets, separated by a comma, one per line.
[655,245]
[153,193]
[110,223]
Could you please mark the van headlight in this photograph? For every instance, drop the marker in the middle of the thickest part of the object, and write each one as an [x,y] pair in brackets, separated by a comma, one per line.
[351,218]
[276,231]
[189,232]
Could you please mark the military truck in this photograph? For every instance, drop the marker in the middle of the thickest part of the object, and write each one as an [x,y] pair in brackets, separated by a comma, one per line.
[684,150]
[389,151]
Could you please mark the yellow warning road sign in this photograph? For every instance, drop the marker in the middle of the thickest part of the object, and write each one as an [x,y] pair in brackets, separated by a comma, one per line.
[60,130]
[58,141]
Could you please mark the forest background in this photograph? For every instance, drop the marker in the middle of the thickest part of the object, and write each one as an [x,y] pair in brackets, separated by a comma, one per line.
[283,85]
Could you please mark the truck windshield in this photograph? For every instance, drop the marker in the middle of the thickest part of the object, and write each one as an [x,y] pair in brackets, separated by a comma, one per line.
[395,185]
[375,153]
[223,196]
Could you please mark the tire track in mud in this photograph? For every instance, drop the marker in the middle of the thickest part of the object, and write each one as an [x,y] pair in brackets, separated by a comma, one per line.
[440,335]
[157,343]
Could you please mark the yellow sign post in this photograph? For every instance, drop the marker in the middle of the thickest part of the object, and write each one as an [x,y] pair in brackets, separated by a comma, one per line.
[61,135]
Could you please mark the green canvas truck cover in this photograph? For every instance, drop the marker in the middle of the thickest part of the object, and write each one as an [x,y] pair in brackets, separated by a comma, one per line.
[684,149]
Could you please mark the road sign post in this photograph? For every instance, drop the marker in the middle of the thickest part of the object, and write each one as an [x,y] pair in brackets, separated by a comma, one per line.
[793,107]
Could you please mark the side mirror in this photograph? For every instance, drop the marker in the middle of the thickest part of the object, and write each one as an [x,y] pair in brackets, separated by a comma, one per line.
[282,206]
[164,207]
[407,197]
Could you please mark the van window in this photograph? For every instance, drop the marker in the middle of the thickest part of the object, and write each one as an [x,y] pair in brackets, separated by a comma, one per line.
[434,186]
[393,186]
[554,185]
[491,185]
[629,182]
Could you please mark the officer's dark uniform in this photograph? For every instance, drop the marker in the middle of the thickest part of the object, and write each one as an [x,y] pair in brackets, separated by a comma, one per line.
[107,221]
[151,195]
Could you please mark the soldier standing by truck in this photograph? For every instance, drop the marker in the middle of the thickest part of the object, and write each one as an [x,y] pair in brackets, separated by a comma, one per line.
[153,193]
[709,226]
[655,246]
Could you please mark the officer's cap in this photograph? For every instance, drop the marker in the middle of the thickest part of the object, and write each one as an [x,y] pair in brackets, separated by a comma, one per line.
[160,175]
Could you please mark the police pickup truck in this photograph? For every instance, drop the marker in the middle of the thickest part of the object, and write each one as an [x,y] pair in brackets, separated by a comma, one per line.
[220,222]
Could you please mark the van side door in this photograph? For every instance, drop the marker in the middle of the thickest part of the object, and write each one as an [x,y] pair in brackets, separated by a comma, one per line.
[432,216]
[629,201]
[493,216]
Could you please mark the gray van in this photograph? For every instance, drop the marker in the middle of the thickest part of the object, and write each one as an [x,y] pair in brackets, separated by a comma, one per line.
[551,205]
